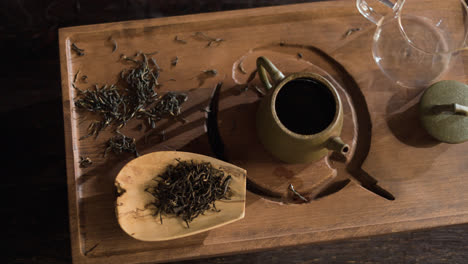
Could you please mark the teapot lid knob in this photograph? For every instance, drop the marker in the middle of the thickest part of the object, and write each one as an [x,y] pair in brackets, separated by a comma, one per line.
[443,110]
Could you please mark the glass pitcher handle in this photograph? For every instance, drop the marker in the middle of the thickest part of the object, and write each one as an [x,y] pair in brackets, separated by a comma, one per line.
[369,13]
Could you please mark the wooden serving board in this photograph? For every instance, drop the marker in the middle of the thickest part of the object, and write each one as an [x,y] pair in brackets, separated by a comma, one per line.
[428,179]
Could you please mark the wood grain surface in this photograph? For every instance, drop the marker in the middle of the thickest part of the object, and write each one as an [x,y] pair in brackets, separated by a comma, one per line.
[41,236]
[421,193]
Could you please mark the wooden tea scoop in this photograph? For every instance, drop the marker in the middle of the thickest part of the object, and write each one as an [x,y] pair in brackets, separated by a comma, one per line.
[137,216]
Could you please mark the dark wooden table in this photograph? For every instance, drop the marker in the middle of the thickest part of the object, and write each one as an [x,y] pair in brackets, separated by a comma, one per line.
[33,143]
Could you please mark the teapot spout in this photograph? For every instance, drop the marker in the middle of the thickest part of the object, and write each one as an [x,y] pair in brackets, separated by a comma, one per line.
[336,144]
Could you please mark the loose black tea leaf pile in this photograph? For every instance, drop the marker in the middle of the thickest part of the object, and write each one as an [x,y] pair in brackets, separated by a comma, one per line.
[121,143]
[107,102]
[141,81]
[188,189]
[116,107]
[167,106]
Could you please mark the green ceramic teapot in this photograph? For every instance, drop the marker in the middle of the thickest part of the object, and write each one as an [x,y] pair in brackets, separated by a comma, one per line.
[301,117]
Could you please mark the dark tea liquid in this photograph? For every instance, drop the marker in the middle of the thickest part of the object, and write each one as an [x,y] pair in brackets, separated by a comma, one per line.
[305,106]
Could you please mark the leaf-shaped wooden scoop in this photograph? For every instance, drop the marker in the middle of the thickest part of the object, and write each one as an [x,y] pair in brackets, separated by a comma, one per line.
[137,217]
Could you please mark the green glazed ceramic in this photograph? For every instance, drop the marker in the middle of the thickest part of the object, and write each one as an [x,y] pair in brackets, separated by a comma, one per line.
[443,111]
[280,141]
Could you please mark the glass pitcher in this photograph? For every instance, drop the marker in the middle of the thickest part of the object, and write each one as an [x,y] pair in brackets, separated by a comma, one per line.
[415,42]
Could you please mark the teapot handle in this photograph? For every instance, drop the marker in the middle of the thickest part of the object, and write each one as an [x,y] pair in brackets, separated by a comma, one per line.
[452,108]
[369,13]
[266,68]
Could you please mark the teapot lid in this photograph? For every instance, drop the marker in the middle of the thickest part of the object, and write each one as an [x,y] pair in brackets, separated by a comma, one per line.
[443,110]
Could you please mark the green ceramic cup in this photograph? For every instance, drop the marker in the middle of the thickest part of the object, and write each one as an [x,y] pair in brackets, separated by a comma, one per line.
[301,117]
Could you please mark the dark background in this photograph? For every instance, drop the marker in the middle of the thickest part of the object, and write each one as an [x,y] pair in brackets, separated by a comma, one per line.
[36,206]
